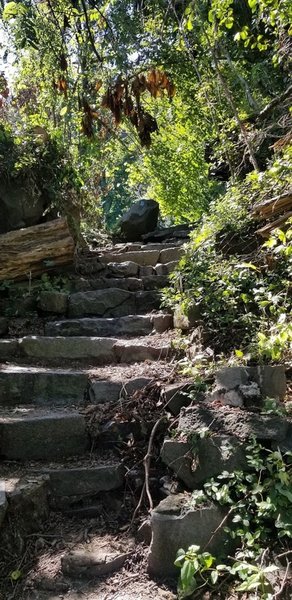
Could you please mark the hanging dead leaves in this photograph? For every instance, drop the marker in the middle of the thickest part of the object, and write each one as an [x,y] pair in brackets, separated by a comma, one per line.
[124,99]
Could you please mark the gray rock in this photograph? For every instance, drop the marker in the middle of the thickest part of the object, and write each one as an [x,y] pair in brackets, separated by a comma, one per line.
[147,301]
[186,320]
[42,436]
[3,325]
[144,533]
[28,503]
[127,351]
[85,481]
[3,502]
[176,395]
[155,282]
[175,525]
[165,269]
[79,348]
[139,220]
[108,327]
[93,561]
[104,391]
[133,284]
[170,255]
[137,257]
[8,349]
[102,303]
[135,384]
[226,421]
[146,271]
[24,385]
[126,268]
[271,380]
[195,462]
[162,322]
[230,378]
[53,302]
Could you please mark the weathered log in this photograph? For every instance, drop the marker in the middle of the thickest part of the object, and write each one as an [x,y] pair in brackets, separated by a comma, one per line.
[273,206]
[35,250]
[266,231]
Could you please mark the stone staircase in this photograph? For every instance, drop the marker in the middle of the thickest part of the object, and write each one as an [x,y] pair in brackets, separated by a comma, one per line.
[98,346]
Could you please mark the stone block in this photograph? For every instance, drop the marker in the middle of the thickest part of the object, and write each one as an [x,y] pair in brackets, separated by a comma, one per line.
[146,271]
[170,255]
[53,302]
[94,561]
[176,525]
[165,269]
[126,268]
[271,380]
[42,436]
[3,502]
[228,421]
[85,481]
[195,462]
[28,502]
[162,322]
[176,395]
[127,351]
[112,302]
[155,282]
[147,301]
[130,325]
[78,348]
[142,258]
[3,326]
[24,385]
[8,349]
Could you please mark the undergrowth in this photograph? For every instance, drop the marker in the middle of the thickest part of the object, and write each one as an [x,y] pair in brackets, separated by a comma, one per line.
[243,299]
[258,509]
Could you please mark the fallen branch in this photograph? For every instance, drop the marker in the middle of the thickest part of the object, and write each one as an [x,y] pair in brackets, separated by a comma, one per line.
[146,462]
[267,229]
[273,206]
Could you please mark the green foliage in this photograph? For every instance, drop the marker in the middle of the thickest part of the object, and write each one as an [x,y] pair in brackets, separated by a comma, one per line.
[259,502]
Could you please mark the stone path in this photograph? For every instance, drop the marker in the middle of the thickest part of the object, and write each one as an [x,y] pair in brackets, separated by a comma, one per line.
[95,340]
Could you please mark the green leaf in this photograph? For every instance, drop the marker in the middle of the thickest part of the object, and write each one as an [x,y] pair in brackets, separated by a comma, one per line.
[63,111]
[13,10]
[214,577]
[15,575]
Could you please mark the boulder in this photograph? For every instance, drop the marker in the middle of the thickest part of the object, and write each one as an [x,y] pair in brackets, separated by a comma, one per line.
[28,503]
[175,524]
[140,219]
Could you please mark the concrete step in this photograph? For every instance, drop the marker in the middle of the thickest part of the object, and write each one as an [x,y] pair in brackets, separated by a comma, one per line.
[131,325]
[112,302]
[37,434]
[97,350]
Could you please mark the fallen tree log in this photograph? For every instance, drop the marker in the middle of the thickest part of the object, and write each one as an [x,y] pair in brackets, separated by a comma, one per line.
[35,250]
[273,206]
[266,231]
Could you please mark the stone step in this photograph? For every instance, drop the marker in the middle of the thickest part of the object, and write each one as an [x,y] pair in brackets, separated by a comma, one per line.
[37,434]
[112,302]
[144,257]
[133,284]
[97,350]
[124,268]
[131,325]
[26,385]
[21,385]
